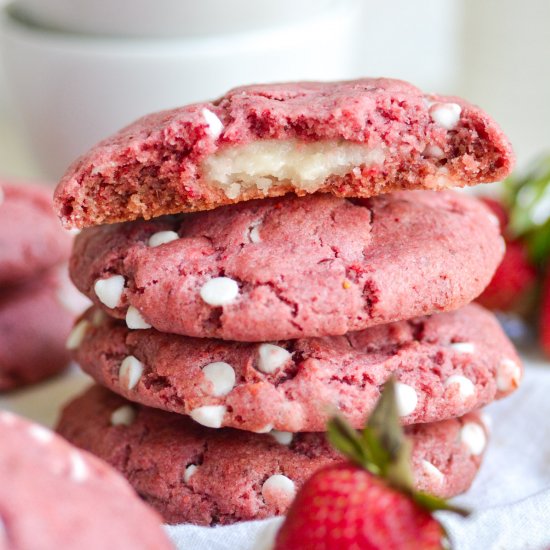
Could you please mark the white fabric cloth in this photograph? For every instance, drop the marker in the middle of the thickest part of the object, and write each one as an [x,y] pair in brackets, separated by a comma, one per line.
[510,498]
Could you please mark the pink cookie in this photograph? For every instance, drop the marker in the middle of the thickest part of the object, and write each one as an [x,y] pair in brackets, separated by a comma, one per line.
[448,364]
[355,139]
[34,323]
[292,267]
[31,239]
[196,475]
[54,496]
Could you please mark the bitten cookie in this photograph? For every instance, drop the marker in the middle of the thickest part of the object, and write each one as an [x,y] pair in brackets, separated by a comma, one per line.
[292,267]
[446,365]
[31,239]
[356,138]
[196,475]
[34,324]
[55,496]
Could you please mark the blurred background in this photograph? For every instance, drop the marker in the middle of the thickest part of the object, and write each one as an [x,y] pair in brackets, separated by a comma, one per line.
[73,71]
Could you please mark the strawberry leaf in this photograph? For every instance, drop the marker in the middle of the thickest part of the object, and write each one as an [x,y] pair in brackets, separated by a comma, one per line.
[434,504]
[383,449]
[347,440]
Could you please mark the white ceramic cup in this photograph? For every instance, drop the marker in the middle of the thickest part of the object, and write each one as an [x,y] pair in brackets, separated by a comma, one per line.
[72,90]
[166,17]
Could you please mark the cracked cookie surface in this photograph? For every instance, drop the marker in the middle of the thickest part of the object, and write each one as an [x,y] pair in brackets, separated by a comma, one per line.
[292,267]
[447,365]
[197,475]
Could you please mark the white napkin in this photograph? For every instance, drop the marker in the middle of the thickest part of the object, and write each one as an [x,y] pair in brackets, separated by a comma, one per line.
[510,497]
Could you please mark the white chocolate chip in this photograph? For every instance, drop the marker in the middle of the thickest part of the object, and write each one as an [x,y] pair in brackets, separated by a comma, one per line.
[271,358]
[264,429]
[109,290]
[277,486]
[466,387]
[215,125]
[445,115]
[79,468]
[434,151]
[219,291]
[221,377]
[124,416]
[135,320]
[463,347]
[77,334]
[473,436]
[162,237]
[41,434]
[508,375]
[210,416]
[284,438]
[406,398]
[254,232]
[130,371]
[433,472]
[189,471]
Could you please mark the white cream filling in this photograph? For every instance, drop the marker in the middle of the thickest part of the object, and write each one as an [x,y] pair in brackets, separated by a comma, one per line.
[261,164]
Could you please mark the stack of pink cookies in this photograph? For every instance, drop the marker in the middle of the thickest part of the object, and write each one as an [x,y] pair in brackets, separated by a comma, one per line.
[36,310]
[277,255]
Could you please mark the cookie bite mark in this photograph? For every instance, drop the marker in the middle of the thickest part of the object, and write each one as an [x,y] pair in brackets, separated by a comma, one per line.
[356,138]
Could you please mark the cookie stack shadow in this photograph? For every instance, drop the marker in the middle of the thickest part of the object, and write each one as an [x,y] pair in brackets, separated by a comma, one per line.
[222,340]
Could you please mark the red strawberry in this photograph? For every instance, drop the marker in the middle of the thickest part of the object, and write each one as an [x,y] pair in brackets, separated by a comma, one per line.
[367,503]
[514,278]
[544,319]
[345,506]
